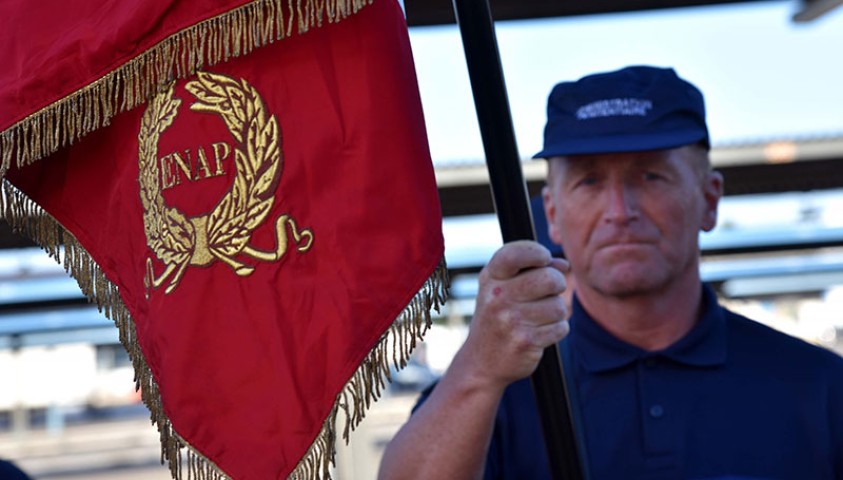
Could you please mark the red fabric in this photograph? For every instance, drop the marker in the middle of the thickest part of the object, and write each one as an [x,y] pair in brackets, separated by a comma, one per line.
[52,48]
[249,366]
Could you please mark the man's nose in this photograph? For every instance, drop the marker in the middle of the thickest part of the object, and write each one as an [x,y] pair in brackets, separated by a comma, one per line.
[621,203]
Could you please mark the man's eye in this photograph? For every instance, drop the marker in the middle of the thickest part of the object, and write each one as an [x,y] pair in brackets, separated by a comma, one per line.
[588,181]
[652,176]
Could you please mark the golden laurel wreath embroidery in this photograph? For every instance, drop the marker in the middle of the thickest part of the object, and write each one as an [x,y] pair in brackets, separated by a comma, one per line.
[179,241]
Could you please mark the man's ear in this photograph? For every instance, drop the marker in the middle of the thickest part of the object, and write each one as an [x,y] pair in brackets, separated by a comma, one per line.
[712,193]
[550,213]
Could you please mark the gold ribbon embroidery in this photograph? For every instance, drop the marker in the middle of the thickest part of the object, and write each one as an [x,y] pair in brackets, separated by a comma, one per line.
[223,234]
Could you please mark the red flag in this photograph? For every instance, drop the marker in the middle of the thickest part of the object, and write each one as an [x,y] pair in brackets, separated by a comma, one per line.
[263,231]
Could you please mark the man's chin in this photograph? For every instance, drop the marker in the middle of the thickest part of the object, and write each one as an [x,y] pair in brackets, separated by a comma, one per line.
[630,282]
[627,292]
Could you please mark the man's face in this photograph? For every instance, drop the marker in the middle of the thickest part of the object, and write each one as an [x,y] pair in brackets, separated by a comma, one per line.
[629,222]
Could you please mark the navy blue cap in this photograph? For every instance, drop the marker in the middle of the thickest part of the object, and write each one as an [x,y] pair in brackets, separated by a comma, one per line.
[634,109]
[540,224]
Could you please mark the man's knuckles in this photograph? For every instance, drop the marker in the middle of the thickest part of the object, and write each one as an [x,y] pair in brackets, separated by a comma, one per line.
[515,257]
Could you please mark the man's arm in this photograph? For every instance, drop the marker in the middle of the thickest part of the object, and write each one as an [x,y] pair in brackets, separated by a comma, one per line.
[519,313]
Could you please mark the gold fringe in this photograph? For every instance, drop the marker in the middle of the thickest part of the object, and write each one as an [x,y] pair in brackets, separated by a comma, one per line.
[26,217]
[232,34]
[365,386]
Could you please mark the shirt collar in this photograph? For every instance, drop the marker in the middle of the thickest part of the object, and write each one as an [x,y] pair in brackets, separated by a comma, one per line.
[704,346]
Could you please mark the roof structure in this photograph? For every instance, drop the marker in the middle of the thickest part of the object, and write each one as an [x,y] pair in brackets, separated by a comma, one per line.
[438,12]
[773,166]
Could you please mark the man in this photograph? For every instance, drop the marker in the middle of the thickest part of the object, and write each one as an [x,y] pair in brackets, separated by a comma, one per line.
[670,385]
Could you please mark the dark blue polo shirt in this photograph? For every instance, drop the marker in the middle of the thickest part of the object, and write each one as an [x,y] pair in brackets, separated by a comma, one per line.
[733,399]
[9,471]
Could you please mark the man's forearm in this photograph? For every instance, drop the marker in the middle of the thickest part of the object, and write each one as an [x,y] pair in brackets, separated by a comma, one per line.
[448,436]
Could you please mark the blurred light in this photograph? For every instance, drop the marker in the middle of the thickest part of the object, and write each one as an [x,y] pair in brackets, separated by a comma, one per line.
[780,152]
[780,285]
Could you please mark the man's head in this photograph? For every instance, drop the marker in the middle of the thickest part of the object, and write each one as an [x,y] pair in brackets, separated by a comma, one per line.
[629,180]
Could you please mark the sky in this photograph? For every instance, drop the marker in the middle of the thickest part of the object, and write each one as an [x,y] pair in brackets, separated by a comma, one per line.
[763,76]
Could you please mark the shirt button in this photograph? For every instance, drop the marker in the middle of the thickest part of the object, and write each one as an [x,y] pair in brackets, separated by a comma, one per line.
[656,411]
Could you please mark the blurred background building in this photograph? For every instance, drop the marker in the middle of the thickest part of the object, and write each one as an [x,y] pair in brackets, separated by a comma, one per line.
[774,85]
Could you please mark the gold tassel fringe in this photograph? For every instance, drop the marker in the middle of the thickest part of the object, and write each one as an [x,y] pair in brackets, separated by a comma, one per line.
[26,217]
[232,34]
[365,386]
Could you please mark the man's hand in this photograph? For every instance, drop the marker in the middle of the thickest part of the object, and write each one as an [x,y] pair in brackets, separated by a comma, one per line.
[519,313]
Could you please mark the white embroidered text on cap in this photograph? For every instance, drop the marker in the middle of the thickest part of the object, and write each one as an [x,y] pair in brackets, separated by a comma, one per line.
[615,107]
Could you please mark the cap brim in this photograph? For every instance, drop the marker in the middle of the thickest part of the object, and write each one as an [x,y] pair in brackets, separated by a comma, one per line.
[621,144]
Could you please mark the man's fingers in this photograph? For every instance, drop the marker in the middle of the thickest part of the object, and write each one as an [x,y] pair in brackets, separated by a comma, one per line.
[516,256]
[527,339]
[549,334]
[545,311]
[560,264]
[536,284]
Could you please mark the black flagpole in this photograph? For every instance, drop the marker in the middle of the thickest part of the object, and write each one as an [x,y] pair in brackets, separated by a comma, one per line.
[512,205]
